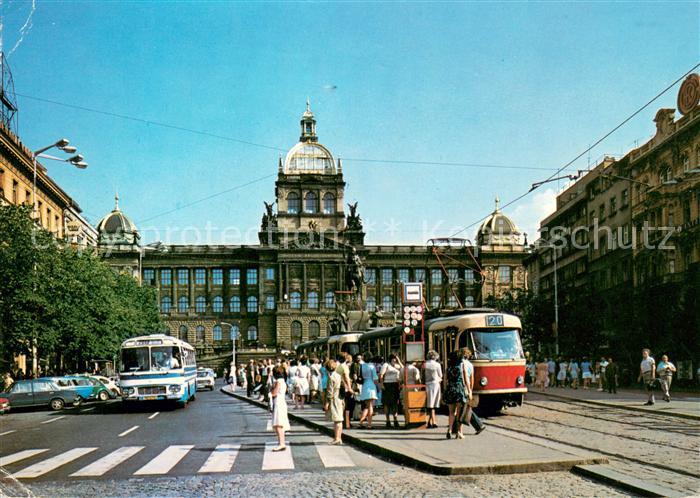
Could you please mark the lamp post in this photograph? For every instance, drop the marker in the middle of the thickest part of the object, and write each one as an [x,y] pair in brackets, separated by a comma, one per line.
[234,338]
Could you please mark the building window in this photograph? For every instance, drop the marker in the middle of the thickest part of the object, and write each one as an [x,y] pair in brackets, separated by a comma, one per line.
[504,274]
[234,276]
[217,276]
[252,333]
[624,198]
[436,276]
[469,276]
[387,303]
[165,304]
[469,301]
[387,276]
[217,304]
[420,274]
[251,276]
[371,303]
[613,206]
[293,204]
[371,276]
[435,301]
[452,301]
[328,203]
[601,212]
[252,304]
[269,274]
[452,275]
[314,330]
[403,275]
[330,300]
[14,193]
[313,300]
[149,276]
[200,304]
[235,304]
[182,304]
[685,161]
[296,333]
[200,333]
[166,277]
[269,302]
[311,203]
[182,333]
[295,300]
[217,332]
[200,276]
[182,276]
[233,333]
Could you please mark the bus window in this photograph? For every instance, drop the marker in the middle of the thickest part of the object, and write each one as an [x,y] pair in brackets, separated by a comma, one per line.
[135,359]
[497,345]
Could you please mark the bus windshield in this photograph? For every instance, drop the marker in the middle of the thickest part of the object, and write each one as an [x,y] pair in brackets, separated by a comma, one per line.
[497,345]
[135,360]
[146,358]
[165,357]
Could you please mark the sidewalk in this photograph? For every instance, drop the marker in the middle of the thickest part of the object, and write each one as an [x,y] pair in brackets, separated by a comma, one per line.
[494,451]
[684,405]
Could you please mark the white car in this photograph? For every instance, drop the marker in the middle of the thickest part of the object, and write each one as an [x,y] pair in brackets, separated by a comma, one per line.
[109,384]
[205,379]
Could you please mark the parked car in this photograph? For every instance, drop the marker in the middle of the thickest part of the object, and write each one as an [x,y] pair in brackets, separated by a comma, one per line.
[205,378]
[40,392]
[4,406]
[87,388]
[109,384]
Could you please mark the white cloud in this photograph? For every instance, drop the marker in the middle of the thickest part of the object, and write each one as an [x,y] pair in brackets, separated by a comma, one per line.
[533,210]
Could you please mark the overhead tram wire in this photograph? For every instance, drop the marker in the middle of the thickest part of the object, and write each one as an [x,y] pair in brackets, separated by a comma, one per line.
[596,143]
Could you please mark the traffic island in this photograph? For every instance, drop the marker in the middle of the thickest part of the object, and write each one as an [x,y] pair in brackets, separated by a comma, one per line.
[491,452]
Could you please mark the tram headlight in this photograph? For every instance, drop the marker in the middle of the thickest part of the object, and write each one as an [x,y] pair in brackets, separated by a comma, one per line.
[175,389]
[483,381]
[519,380]
[130,391]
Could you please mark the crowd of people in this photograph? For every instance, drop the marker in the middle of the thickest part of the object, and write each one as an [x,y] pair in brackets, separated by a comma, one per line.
[354,389]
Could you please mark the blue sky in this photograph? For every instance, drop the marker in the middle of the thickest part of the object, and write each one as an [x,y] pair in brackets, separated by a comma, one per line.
[514,84]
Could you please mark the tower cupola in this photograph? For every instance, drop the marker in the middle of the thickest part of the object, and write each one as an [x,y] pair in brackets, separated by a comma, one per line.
[308,125]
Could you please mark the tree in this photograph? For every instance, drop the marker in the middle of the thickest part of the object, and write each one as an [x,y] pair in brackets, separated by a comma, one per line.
[535,314]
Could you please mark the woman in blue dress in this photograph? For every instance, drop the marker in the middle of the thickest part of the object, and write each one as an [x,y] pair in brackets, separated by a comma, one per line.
[324,381]
[369,390]
[455,395]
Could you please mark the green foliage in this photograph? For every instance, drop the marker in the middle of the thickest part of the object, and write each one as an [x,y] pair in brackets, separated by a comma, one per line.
[65,300]
[535,313]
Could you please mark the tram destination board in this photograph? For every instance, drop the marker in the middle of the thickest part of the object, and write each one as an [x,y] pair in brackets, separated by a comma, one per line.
[494,320]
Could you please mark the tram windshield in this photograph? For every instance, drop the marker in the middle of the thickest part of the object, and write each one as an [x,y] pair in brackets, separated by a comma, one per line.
[497,345]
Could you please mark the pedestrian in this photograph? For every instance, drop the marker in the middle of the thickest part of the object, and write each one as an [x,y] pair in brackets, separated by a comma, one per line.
[7,381]
[280,419]
[410,375]
[265,382]
[665,371]
[226,380]
[471,416]
[250,374]
[611,376]
[323,382]
[542,373]
[292,378]
[586,372]
[315,379]
[552,369]
[343,368]
[455,396]
[334,402]
[368,391]
[378,364]
[602,378]
[356,379]
[389,383]
[242,378]
[301,382]
[647,374]
[432,373]
[573,373]
[561,376]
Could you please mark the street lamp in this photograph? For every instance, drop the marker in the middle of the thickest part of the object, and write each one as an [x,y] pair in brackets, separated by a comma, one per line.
[233,371]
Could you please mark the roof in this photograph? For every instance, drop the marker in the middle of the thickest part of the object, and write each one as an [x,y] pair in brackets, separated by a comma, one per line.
[309,157]
[498,229]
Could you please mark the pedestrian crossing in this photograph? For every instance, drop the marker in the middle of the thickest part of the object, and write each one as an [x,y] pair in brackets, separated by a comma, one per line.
[180,459]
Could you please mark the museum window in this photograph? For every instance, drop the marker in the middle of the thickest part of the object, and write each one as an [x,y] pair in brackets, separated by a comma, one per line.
[182,276]
[252,304]
[182,333]
[252,333]
[452,301]
[234,276]
[200,276]
[295,330]
[165,304]
[295,300]
[269,302]
[387,303]
[504,274]
[435,301]
[371,276]
[200,304]
[235,304]
[419,274]
[469,277]
[314,330]
[269,274]
[293,204]
[233,333]
[371,303]
[200,333]
[468,301]
[217,332]
[182,304]
[452,275]
[311,203]
[387,276]
[166,277]
[217,304]
[403,275]
[251,276]
[330,300]
[436,276]
[313,300]
[149,276]
[217,276]
[328,203]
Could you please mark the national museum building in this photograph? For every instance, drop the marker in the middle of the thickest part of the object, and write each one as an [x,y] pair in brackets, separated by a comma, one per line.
[286,290]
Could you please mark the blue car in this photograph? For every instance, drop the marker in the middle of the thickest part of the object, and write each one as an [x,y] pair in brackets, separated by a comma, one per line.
[87,388]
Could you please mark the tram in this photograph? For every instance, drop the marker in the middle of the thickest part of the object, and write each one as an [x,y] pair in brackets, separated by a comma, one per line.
[330,347]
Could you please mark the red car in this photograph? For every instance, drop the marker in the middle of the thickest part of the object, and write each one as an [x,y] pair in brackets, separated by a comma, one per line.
[4,406]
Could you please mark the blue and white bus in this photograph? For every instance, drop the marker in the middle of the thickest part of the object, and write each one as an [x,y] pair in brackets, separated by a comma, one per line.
[157,367]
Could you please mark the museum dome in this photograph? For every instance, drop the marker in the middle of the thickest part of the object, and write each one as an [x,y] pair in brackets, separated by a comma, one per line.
[498,229]
[117,228]
[309,156]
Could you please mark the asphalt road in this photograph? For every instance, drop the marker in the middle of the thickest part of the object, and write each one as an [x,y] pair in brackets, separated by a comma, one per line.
[214,434]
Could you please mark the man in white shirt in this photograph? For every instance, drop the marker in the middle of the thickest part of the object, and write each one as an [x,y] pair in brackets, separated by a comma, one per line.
[647,373]
[665,371]
[601,374]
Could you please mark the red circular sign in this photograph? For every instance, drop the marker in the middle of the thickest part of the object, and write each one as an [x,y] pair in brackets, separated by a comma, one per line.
[689,94]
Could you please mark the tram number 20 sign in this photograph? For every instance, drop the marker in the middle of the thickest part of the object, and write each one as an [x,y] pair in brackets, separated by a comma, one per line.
[412,306]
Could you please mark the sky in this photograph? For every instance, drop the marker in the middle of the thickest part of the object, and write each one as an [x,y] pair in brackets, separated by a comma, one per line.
[518,89]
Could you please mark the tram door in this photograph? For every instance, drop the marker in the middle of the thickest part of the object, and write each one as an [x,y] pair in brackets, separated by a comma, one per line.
[440,344]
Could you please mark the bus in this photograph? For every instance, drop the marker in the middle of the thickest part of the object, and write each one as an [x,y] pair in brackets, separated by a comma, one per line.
[157,367]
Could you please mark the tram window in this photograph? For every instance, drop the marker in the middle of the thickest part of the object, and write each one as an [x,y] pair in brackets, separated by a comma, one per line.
[497,345]
[395,345]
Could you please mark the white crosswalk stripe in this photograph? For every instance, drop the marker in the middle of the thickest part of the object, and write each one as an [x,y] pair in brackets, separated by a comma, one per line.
[277,460]
[108,462]
[16,457]
[41,468]
[333,456]
[167,459]
[221,459]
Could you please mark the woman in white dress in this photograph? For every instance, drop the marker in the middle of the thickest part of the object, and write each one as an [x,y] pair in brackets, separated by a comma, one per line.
[315,379]
[280,420]
[301,382]
[433,381]
[561,376]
